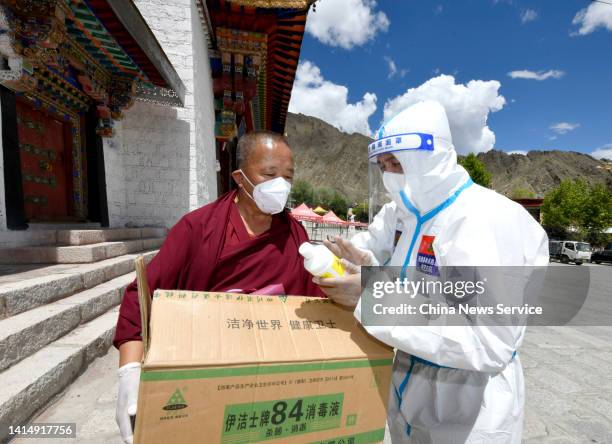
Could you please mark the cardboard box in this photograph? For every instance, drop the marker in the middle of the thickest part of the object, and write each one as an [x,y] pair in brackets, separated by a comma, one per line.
[233,369]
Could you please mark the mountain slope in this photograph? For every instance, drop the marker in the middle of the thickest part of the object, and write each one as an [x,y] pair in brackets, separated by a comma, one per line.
[539,171]
[325,156]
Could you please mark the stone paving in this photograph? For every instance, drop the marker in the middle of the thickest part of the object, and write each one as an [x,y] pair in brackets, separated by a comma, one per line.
[568,385]
[90,403]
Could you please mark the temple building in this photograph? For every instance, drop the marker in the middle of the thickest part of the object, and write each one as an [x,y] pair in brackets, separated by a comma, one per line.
[118,113]
[117,117]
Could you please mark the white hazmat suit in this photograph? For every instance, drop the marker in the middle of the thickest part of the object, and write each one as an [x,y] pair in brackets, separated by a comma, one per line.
[450,384]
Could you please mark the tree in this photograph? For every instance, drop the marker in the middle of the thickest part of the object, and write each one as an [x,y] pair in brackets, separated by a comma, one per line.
[339,205]
[323,196]
[301,192]
[477,170]
[578,211]
[361,212]
[329,198]
[522,193]
[562,206]
[597,214]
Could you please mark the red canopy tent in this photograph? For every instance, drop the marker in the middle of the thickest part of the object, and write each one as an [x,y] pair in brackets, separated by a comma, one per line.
[302,212]
[331,218]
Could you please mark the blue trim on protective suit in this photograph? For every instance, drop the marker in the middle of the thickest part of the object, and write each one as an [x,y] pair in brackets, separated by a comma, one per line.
[421,219]
[402,386]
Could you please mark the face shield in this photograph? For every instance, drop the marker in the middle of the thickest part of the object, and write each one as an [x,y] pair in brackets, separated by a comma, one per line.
[386,167]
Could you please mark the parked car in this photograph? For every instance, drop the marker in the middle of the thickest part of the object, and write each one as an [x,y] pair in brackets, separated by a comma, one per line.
[570,251]
[602,256]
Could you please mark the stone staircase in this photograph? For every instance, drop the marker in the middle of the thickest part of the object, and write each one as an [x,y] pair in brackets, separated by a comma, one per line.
[56,319]
[83,246]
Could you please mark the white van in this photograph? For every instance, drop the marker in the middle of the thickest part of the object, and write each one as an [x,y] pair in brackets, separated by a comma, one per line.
[570,251]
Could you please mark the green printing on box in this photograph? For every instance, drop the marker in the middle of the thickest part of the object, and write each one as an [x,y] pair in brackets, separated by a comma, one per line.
[260,421]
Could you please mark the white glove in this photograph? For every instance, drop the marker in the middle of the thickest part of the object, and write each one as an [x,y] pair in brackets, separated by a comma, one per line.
[345,249]
[127,399]
[350,267]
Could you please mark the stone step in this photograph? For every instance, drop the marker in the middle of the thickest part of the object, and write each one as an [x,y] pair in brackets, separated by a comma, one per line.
[26,387]
[28,332]
[86,237]
[24,291]
[76,254]
[64,226]
[90,401]
[78,236]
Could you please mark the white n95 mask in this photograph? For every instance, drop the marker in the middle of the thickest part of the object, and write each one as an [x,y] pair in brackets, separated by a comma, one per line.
[270,196]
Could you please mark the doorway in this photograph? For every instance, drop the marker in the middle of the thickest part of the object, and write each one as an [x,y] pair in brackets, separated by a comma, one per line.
[46,163]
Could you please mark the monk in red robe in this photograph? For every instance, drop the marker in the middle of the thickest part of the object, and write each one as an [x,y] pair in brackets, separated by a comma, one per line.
[244,242]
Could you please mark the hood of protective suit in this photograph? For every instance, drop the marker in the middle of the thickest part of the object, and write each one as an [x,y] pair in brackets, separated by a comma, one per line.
[420,138]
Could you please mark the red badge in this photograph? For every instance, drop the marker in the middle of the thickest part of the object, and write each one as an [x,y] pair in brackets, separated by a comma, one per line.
[426,246]
[426,259]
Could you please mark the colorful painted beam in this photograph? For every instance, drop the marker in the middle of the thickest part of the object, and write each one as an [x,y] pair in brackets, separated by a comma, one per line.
[282,23]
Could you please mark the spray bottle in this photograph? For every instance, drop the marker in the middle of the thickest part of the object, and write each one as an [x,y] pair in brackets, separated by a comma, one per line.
[319,261]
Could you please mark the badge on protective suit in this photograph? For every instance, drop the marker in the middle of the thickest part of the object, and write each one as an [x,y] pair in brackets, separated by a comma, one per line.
[426,258]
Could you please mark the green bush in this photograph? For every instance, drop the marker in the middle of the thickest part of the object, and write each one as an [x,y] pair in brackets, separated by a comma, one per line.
[477,170]
[522,193]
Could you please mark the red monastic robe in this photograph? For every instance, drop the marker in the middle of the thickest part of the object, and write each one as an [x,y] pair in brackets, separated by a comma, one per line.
[210,249]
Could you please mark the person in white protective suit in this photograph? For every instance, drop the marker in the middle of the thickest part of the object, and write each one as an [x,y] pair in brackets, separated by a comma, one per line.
[450,384]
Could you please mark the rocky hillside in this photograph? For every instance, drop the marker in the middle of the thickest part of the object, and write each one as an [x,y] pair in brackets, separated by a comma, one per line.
[539,171]
[326,156]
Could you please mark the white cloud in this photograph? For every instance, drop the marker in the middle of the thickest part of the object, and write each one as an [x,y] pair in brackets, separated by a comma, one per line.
[592,17]
[536,75]
[393,70]
[564,127]
[528,15]
[605,152]
[439,9]
[467,106]
[314,96]
[521,152]
[346,23]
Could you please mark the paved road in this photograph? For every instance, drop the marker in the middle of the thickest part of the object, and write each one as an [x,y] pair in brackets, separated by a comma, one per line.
[567,376]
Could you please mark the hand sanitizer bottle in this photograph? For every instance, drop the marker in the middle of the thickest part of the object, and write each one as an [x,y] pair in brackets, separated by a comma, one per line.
[319,261]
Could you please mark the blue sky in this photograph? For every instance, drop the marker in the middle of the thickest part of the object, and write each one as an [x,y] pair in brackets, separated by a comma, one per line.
[542,69]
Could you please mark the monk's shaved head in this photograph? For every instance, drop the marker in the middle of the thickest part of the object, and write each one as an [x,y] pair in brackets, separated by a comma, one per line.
[249,143]
[262,156]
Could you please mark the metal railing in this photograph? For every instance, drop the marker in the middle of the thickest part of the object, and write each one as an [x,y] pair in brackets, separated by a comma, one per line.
[317,231]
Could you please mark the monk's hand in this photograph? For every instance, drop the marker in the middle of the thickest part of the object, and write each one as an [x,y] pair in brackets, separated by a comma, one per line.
[345,249]
[344,290]
[127,399]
